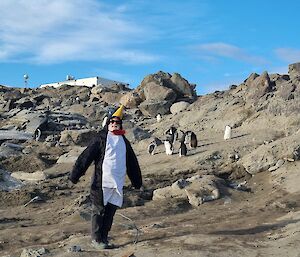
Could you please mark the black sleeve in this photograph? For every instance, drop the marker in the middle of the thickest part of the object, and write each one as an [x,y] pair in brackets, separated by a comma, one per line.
[133,167]
[84,161]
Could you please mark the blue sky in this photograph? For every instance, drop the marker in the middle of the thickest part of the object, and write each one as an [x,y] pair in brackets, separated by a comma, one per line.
[210,43]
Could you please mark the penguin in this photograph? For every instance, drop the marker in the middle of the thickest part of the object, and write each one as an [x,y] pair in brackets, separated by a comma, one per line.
[169,147]
[37,134]
[193,141]
[158,117]
[182,149]
[104,121]
[183,137]
[151,147]
[172,134]
[227,133]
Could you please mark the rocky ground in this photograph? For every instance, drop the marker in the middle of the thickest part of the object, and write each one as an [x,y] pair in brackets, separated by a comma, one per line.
[235,197]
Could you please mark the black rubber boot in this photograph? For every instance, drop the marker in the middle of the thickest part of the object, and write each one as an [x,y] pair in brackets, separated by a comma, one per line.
[109,212]
[97,223]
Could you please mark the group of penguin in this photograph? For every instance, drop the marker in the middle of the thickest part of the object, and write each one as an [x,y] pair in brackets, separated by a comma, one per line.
[172,135]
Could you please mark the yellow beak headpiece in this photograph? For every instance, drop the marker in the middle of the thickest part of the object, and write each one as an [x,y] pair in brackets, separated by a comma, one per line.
[119,112]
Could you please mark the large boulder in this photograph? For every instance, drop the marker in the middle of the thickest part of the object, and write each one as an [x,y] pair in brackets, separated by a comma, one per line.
[179,107]
[259,87]
[154,107]
[154,91]
[137,134]
[197,189]
[175,82]
[130,100]
[294,71]
[182,86]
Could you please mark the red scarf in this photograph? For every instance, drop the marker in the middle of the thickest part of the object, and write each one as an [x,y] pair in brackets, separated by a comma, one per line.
[119,132]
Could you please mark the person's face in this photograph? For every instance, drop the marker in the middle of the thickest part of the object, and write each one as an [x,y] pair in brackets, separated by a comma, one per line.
[114,124]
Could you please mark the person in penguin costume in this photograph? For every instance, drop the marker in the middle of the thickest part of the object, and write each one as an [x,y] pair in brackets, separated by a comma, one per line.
[113,157]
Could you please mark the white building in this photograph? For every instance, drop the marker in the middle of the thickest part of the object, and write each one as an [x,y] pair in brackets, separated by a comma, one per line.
[88,82]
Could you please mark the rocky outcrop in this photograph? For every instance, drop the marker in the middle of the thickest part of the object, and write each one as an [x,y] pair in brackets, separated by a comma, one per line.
[161,90]
[182,87]
[258,87]
[197,190]
[294,71]
[268,155]
[286,89]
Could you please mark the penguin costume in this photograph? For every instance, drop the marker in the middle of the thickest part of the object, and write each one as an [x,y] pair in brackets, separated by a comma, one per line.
[113,157]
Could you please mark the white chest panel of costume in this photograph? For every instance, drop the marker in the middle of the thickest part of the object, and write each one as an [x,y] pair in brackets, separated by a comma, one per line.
[114,163]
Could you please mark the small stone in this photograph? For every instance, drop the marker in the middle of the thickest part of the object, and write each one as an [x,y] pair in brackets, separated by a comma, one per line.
[74,248]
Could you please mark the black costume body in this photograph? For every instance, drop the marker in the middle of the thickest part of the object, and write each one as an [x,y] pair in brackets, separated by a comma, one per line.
[102,216]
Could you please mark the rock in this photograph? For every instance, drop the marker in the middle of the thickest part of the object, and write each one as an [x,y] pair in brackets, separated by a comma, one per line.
[137,134]
[111,98]
[34,121]
[162,80]
[198,189]
[66,138]
[259,160]
[6,151]
[74,248]
[25,103]
[279,163]
[80,137]
[251,78]
[294,71]
[153,91]
[97,90]
[182,86]
[6,106]
[296,153]
[285,90]
[259,87]
[130,100]
[266,156]
[13,146]
[27,150]
[179,106]
[7,182]
[15,135]
[31,177]
[153,107]
[33,252]
[71,156]
[58,170]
